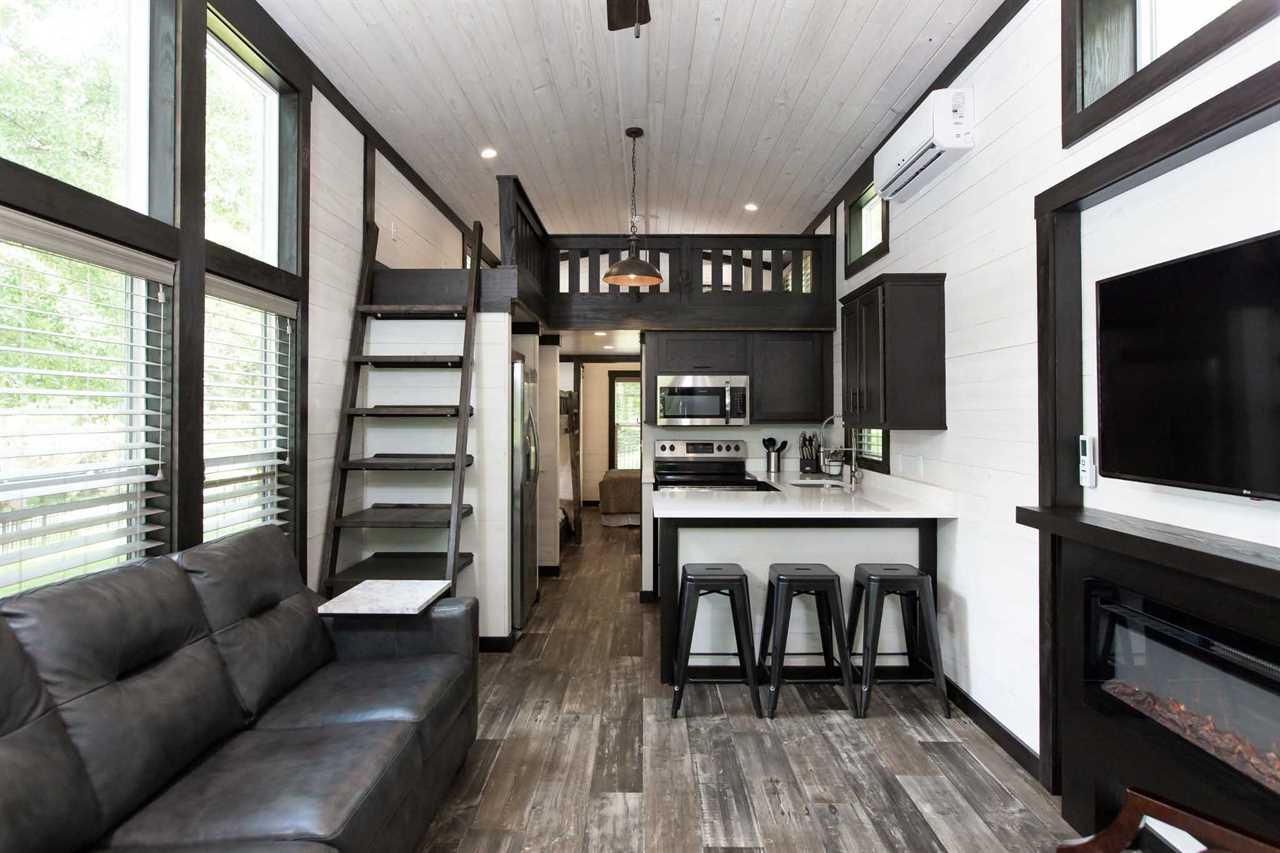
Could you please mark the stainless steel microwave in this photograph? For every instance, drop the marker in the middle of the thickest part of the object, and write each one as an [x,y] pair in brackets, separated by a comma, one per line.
[703,400]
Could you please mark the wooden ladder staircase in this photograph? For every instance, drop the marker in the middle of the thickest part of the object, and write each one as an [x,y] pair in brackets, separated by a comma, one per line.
[402,565]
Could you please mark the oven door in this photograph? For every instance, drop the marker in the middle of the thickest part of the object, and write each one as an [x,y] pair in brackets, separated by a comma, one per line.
[702,400]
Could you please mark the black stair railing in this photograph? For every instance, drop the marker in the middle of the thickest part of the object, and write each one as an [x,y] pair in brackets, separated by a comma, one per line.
[464,400]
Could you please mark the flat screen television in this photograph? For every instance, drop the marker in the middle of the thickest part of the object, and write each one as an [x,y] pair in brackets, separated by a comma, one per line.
[1189,371]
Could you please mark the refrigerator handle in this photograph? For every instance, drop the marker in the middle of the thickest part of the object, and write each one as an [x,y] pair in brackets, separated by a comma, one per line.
[531,472]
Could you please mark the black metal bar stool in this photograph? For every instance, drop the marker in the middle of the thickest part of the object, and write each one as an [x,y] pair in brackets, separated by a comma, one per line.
[786,581]
[914,589]
[697,580]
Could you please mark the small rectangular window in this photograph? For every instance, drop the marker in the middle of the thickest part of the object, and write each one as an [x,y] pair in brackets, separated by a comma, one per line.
[84,98]
[624,419]
[85,372]
[248,409]
[871,447]
[242,156]
[866,230]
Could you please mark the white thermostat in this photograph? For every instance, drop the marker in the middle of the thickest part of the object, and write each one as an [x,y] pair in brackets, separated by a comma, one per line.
[1088,462]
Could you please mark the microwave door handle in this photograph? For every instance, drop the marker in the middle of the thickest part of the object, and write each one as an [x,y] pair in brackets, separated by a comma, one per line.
[728,404]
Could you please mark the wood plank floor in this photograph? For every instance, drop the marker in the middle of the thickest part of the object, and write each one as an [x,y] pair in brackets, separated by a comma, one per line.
[577,749]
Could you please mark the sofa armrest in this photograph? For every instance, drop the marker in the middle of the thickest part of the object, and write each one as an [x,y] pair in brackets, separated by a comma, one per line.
[450,626]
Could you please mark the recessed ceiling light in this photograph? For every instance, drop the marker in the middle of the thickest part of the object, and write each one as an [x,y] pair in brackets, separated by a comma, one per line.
[751,207]
[488,153]
[608,346]
[601,334]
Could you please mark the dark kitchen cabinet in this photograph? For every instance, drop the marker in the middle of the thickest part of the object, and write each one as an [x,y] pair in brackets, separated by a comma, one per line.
[790,377]
[893,353]
[790,372]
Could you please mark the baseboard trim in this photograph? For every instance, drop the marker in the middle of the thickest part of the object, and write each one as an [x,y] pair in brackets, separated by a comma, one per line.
[498,645]
[1013,745]
[549,571]
[591,503]
[648,596]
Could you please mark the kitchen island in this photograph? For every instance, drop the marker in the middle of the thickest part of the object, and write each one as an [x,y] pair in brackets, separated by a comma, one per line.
[795,523]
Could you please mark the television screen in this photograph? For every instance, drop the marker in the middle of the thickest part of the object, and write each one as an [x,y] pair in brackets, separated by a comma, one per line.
[1189,371]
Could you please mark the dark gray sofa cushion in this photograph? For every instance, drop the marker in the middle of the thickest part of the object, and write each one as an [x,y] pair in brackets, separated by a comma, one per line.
[126,657]
[338,785]
[46,801]
[429,691]
[263,618]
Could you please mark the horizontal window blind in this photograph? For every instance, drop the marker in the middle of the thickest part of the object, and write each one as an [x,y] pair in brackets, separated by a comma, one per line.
[869,443]
[248,410]
[85,393]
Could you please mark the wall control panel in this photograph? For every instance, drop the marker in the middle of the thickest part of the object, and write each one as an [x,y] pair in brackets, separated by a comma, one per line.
[1088,462]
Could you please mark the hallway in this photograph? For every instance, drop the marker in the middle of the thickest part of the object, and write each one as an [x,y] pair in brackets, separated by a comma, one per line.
[577,749]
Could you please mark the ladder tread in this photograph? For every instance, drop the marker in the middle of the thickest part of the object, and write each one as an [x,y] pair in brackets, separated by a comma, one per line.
[413,311]
[406,462]
[441,361]
[405,411]
[402,516]
[397,565]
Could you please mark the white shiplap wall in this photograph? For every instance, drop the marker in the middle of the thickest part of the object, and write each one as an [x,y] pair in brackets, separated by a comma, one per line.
[412,233]
[975,223]
[337,212]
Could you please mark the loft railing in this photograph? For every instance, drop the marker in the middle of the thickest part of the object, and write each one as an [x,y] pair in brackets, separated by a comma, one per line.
[730,281]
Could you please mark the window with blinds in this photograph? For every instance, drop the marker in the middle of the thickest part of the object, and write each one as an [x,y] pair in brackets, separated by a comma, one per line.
[248,409]
[869,443]
[85,393]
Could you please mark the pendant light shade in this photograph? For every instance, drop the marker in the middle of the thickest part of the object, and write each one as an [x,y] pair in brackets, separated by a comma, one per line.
[633,271]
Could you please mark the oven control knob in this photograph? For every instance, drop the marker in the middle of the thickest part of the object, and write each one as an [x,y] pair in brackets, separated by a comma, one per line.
[719,447]
[737,447]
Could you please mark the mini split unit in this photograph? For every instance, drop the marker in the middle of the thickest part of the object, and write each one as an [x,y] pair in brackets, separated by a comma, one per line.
[939,131]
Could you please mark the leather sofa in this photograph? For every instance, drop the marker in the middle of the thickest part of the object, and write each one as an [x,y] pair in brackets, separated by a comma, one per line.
[198,702]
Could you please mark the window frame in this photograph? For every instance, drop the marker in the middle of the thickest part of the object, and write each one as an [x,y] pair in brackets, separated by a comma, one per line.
[1223,31]
[287,201]
[616,376]
[866,463]
[852,204]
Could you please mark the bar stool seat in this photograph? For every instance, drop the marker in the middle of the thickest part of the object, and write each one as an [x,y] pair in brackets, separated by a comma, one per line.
[914,588]
[786,581]
[697,580]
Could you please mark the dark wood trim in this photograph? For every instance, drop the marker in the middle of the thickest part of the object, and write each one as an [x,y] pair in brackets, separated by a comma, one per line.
[648,596]
[1214,37]
[302,397]
[548,571]
[1251,104]
[48,198]
[248,270]
[498,645]
[188,404]
[463,419]
[591,503]
[600,359]
[1244,108]
[1013,745]
[614,377]
[881,465]
[989,30]
[523,328]
[548,340]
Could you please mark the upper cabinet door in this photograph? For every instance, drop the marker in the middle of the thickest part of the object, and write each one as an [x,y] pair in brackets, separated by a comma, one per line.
[850,363]
[701,352]
[790,377]
[871,397]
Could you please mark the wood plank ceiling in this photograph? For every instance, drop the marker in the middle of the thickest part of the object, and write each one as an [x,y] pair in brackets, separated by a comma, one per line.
[774,102]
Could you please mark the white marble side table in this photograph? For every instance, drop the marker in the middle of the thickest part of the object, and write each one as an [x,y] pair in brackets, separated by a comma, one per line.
[385,598]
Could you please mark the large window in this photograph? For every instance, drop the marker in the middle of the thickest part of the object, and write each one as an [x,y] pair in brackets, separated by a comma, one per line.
[866,230]
[624,419]
[81,99]
[871,447]
[84,404]
[242,156]
[248,409]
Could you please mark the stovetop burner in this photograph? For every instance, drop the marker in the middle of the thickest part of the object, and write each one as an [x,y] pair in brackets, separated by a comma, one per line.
[719,464]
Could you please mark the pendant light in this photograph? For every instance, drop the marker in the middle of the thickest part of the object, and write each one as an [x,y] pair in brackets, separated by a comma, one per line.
[632,271]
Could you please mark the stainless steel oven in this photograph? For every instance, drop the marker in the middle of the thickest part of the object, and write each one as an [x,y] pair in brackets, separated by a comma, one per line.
[703,400]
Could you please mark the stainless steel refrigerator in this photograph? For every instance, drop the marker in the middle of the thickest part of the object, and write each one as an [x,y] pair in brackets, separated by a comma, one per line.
[524,491]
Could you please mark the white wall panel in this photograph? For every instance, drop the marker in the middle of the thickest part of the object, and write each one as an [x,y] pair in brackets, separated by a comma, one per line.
[412,232]
[975,222]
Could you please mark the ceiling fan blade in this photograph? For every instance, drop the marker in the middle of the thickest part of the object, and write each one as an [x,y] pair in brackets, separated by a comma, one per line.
[623,13]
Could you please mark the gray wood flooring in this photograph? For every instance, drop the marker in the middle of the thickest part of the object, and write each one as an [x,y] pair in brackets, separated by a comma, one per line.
[577,750]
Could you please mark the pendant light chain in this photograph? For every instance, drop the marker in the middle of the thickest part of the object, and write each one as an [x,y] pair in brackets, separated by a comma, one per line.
[634,215]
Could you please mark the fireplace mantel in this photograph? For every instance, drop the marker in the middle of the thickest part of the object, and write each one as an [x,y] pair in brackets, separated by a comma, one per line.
[1248,566]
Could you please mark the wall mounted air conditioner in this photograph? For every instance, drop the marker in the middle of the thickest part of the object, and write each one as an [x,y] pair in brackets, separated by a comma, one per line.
[940,130]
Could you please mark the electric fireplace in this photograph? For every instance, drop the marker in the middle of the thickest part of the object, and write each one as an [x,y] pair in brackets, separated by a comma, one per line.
[1215,689]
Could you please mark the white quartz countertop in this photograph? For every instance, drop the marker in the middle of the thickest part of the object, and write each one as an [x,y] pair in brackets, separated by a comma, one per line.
[385,597]
[791,501]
